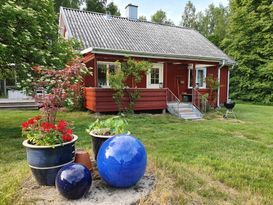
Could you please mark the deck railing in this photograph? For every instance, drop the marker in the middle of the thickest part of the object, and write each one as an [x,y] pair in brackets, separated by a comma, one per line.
[199,101]
[173,102]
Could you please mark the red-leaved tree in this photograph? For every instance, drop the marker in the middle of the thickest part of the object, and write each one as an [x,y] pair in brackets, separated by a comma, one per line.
[59,88]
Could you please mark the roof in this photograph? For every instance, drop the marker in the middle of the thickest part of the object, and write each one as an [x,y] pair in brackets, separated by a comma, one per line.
[97,33]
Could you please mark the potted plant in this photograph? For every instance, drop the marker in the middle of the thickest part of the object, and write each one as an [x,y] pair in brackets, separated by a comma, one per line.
[50,144]
[101,130]
[49,147]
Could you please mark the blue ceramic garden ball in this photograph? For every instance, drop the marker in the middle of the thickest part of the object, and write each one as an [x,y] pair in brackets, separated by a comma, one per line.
[73,181]
[122,161]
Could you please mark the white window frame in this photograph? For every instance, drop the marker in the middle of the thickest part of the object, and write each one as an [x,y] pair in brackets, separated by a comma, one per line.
[107,72]
[196,75]
[148,76]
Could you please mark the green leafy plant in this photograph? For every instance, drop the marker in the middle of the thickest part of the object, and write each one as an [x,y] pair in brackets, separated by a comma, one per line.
[212,85]
[130,68]
[111,126]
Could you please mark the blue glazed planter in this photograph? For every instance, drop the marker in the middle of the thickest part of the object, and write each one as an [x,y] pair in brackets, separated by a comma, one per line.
[122,161]
[46,161]
[73,181]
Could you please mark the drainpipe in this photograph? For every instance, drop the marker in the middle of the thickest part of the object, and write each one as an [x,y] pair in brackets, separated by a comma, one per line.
[228,80]
[218,91]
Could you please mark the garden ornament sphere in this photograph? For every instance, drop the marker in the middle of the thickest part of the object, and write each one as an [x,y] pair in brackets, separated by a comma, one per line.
[122,161]
[73,181]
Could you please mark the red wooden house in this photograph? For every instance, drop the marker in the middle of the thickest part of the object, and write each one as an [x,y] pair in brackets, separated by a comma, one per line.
[182,60]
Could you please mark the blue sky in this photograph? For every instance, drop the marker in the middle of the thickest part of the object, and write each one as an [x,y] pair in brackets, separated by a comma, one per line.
[173,8]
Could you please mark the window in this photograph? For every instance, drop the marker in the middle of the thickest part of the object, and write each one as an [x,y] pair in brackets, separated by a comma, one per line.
[155,76]
[104,69]
[200,77]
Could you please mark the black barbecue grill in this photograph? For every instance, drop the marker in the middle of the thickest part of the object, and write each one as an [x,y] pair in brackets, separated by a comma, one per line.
[229,105]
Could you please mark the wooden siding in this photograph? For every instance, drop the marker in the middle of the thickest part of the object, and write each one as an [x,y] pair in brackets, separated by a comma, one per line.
[101,99]
[224,84]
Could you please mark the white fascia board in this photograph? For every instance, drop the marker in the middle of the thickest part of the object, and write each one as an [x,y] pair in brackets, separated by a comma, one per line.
[65,22]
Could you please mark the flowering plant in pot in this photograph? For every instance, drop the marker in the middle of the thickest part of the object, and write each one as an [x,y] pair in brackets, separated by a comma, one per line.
[50,144]
[101,130]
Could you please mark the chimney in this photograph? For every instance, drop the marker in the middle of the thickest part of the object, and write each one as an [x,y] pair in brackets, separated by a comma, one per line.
[131,12]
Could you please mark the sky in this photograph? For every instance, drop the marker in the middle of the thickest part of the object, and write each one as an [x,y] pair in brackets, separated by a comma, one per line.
[173,8]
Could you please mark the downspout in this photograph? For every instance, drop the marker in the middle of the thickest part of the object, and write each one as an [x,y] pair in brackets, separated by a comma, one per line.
[218,91]
[228,80]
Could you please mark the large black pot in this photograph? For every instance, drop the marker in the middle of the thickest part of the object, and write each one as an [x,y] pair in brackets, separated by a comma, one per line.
[46,161]
[97,141]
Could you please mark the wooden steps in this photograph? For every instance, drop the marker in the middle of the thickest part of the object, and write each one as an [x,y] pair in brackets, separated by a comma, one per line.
[185,111]
[18,104]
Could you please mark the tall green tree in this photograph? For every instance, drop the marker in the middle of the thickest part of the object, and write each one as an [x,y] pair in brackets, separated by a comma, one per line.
[113,9]
[213,23]
[159,17]
[66,3]
[250,43]
[101,6]
[189,16]
[96,6]
[29,37]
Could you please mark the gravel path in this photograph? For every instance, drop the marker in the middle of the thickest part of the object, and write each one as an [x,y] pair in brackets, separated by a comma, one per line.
[99,194]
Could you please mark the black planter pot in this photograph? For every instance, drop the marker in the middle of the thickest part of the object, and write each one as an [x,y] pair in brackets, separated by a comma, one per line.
[46,161]
[97,141]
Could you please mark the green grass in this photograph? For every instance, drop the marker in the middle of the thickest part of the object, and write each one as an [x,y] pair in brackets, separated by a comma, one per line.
[212,161]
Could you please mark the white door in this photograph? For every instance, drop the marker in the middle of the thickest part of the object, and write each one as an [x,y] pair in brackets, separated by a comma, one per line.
[155,76]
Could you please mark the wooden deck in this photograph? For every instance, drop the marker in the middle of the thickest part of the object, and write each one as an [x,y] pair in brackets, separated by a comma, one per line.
[101,99]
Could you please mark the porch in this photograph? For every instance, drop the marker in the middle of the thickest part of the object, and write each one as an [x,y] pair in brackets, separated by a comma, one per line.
[176,85]
[101,99]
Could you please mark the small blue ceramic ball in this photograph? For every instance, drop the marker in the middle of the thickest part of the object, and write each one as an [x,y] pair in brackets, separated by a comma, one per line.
[73,181]
[122,161]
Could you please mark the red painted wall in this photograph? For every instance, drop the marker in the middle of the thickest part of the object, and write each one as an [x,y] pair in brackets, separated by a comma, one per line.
[89,80]
[176,78]
[223,84]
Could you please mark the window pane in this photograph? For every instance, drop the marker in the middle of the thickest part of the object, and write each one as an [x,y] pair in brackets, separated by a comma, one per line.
[102,72]
[155,76]
[200,78]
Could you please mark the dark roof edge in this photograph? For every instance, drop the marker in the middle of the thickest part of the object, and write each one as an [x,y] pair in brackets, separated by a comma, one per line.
[131,5]
[155,55]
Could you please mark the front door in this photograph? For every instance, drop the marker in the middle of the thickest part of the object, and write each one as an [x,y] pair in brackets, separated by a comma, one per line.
[155,76]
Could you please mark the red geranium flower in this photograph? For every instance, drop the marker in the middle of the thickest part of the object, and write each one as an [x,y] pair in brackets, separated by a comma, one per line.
[68,131]
[48,126]
[67,138]
[31,121]
[61,125]
[25,125]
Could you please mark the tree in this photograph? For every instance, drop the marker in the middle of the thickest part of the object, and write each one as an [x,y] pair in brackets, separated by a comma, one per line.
[66,3]
[169,22]
[212,24]
[96,6]
[249,42]
[102,7]
[189,18]
[142,18]
[29,37]
[113,9]
[159,17]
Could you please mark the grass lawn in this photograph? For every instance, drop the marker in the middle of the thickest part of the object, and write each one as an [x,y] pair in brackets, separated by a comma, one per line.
[212,161]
